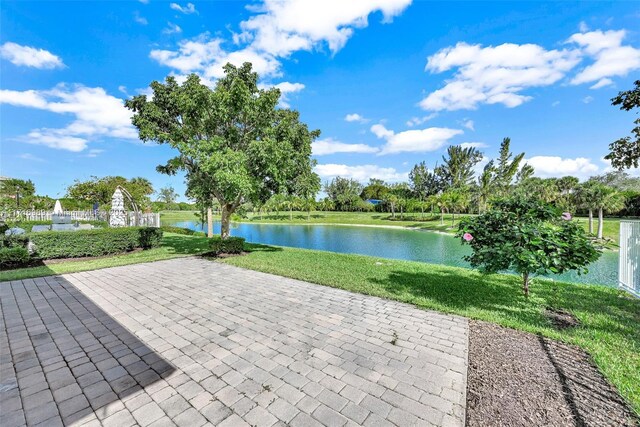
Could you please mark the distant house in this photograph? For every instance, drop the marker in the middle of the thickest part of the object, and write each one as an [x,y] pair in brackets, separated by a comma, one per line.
[374,202]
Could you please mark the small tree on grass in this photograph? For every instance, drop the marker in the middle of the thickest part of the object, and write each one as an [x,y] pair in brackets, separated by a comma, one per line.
[527,237]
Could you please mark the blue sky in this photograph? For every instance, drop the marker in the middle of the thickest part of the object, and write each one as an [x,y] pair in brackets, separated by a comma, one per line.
[388,82]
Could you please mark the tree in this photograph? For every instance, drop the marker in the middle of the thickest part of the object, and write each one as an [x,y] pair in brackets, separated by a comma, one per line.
[457,168]
[528,237]
[375,190]
[423,182]
[100,190]
[583,198]
[233,142]
[506,167]
[344,193]
[605,199]
[17,189]
[625,152]
[525,172]
[167,195]
[486,186]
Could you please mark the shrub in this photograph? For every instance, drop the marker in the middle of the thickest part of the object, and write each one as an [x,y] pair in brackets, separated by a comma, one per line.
[82,243]
[14,241]
[11,257]
[527,237]
[230,245]
[28,225]
[150,237]
[181,230]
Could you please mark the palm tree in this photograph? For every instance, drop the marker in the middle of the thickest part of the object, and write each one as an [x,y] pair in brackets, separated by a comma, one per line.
[486,185]
[607,200]
[584,196]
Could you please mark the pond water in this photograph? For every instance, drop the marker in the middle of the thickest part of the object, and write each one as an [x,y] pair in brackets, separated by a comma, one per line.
[395,243]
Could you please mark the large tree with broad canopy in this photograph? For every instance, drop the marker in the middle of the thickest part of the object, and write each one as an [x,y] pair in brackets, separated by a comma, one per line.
[234,144]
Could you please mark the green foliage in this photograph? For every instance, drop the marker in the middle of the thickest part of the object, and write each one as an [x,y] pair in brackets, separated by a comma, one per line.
[13,191]
[234,144]
[344,193]
[14,241]
[84,243]
[424,183]
[167,195]
[12,257]
[625,152]
[230,245]
[100,190]
[375,189]
[457,167]
[528,237]
[150,237]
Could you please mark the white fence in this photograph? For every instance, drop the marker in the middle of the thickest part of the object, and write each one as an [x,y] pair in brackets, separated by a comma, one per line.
[144,219]
[629,271]
[45,215]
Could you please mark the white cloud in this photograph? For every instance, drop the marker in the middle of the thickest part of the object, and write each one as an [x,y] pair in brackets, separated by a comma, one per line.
[415,121]
[587,99]
[277,29]
[602,83]
[96,114]
[285,26]
[611,58]
[473,145]
[413,141]
[172,28]
[494,74]
[326,146]
[187,10]
[30,157]
[94,152]
[467,124]
[287,88]
[140,19]
[30,56]
[555,166]
[583,27]
[360,173]
[355,117]
[555,103]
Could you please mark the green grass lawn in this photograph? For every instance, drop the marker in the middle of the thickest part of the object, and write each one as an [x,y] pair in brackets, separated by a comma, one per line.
[610,319]
[611,228]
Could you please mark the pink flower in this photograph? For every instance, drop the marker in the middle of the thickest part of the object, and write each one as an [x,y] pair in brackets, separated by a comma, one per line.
[467,236]
[566,216]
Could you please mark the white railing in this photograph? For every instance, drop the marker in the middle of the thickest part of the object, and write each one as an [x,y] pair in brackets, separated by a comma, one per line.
[45,215]
[629,271]
[144,219]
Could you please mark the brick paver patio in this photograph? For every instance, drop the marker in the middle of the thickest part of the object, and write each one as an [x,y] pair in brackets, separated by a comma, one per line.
[192,342]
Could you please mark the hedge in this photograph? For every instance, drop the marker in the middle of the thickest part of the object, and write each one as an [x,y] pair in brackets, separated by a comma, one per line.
[13,257]
[231,245]
[84,243]
[14,241]
[28,225]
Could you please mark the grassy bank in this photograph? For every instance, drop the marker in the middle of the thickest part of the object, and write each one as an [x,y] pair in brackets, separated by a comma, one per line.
[608,318]
[611,229]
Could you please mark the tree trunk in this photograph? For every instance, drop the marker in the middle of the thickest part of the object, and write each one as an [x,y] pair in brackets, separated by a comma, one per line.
[591,221]
[393,211]
[209,222]
[226,219]
[290,213]
[525,284]
[441,216]
[401,212]
[600,222]
[422,212]
[453,219]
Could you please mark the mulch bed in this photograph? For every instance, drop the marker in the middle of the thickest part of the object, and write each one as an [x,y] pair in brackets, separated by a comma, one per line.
[521,379]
